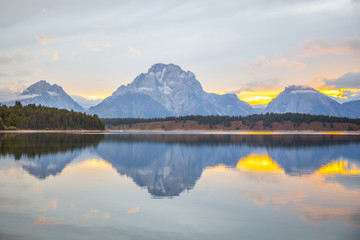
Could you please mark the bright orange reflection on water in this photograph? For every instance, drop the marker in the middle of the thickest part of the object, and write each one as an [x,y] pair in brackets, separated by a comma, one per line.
[339,167]
[258,163]
[219,167]
[96,163]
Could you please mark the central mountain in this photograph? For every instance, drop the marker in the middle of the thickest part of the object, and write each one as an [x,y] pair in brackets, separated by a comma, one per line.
[167,90]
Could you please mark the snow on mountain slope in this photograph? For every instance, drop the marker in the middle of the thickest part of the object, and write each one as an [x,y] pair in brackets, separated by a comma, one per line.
[304,99]
[173,92]
[47,95]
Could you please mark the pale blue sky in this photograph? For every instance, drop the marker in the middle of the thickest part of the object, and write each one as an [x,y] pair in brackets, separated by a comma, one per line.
[90,48]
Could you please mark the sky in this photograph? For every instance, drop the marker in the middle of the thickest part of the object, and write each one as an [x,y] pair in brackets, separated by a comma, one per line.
[254,48]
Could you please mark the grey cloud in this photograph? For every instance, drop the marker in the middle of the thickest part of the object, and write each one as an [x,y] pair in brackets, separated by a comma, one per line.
[318,47]
[269,83]
[15,58]
[349,80]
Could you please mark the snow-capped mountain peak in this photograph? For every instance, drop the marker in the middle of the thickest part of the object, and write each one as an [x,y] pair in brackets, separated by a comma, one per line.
[304,99]
[46,94]
[43,87]
[174,91]
[294,89]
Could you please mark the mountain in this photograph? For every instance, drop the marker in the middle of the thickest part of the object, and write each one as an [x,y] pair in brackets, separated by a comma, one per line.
[353,106]
[167,90]
[84,102]
[304,99]
[47,95]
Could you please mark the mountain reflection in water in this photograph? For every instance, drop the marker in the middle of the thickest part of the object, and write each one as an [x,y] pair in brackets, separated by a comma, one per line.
[179,186]
[168,164]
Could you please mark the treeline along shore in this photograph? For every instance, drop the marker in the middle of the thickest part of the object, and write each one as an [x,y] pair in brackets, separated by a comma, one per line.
[32,117]
[268,121]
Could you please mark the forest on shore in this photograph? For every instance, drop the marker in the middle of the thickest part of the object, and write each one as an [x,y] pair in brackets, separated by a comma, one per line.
[46,118]
[268,121]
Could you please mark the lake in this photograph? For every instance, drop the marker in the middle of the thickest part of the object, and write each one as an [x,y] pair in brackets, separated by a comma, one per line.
[179,186]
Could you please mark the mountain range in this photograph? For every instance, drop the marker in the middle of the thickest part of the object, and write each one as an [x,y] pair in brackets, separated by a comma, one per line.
[167,90]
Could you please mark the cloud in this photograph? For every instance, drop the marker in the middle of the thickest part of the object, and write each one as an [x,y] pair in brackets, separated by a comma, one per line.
[36,70]
[105,215]
[85,43]
[89,45]
[14,58]
[74,54]
[318,47]
[134,50]
[259,63]
[18,86]
[53,205]
[43,209]
[42,220]
[348,80]
[54,55]
[346,87]
[291,65]
[105,44]
[44,10]
[133,210]
[43,40]
[100,25]
[262,62]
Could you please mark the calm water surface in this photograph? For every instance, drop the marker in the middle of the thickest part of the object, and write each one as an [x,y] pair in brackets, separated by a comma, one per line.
[173,186]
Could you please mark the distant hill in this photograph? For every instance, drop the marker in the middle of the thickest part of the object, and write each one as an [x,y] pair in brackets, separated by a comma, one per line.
[304,99]
[353,106]
[84,102]
[47,95]
[167,90]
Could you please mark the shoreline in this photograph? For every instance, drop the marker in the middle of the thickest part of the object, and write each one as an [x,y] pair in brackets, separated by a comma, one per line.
[51,131]
[200,131]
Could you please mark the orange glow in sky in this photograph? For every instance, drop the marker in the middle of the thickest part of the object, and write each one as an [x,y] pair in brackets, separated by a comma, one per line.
[262,97]
[338,92]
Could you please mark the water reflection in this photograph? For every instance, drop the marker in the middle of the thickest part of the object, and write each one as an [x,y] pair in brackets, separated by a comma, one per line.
[107,186]
[339,167]
[258,163]
[168,164]
[43,155]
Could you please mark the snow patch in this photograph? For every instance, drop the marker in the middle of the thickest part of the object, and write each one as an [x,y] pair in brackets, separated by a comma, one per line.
[144,89]
[53,93]
[165,89]
[162,75]
[22,97]
[303,91]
